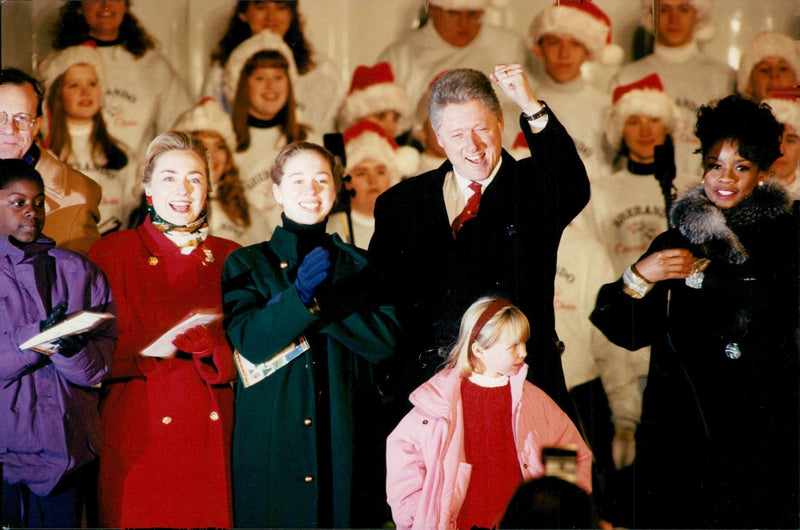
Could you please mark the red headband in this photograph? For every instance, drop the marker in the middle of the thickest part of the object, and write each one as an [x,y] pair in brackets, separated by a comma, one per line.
[494,308]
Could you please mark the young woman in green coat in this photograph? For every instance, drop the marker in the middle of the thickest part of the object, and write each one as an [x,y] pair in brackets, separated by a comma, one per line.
[299,314]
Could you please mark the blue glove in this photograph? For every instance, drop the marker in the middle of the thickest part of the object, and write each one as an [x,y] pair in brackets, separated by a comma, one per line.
[311,273]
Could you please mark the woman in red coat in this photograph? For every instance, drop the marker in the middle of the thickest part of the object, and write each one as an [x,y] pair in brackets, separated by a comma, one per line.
[167,420]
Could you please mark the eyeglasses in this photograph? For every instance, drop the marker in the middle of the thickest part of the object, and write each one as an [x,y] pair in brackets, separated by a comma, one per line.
[22,121]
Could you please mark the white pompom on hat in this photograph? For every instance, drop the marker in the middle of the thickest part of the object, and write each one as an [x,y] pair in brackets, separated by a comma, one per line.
[645,96]
[372,90]
[767,44]
[56,64]
[467,5]
[264,41]
[207,115]
[786,110]
[703,31]
[367,140]
[581,20]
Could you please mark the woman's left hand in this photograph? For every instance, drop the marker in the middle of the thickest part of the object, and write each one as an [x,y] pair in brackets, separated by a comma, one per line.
[197,341]
[668,264]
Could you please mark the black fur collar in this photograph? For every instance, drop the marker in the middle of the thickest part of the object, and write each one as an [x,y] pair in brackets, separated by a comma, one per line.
[714,230]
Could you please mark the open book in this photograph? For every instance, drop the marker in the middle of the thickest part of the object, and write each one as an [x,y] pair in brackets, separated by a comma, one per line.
[76,323]
[163,347]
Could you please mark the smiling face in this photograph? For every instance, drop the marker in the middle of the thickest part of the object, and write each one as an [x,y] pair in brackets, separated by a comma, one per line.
[562,56]
[22,210]
[268,92]
[104,17]
[641,135]
[81,93]
[274,16]
[676,21]
[307,189]
[471,136]
[369,178]
[178,187]
[728,177]
[770,73]
[504,358]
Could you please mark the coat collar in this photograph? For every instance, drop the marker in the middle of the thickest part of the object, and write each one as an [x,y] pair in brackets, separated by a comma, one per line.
[440,395]
[714,230]
[18,255]
[156,243]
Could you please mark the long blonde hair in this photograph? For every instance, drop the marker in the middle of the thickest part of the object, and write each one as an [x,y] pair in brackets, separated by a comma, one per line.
[507,324]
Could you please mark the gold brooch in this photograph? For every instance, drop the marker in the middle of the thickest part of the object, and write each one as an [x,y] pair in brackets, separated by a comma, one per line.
[209,255]
[152,261]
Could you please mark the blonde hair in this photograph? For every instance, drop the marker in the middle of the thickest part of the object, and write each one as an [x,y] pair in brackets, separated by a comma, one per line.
[508,324]
[174,141]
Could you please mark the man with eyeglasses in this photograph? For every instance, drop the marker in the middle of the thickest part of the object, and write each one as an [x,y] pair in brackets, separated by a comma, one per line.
[455,36]
[71,198]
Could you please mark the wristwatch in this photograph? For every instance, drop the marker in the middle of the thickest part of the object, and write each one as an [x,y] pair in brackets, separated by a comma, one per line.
[536,115]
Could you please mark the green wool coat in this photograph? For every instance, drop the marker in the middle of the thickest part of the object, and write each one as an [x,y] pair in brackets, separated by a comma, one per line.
[275,461]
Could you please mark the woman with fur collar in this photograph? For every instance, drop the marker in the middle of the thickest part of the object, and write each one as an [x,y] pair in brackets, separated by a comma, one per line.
[716,299]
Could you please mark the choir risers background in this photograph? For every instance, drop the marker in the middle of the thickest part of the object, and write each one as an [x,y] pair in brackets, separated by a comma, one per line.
[354,32]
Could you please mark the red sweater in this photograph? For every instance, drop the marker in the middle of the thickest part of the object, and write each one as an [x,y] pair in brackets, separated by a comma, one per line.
[491,450]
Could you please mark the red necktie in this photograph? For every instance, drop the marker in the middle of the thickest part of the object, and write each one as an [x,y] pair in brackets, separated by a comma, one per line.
[470,210]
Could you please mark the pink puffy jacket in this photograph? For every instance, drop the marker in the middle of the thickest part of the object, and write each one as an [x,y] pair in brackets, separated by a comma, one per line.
[427,473]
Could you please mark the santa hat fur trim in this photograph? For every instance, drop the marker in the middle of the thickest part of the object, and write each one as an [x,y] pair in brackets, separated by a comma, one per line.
[266,40]
[786,110]
[367,140]
[645,96]
[583,21]
[207,115]
[767,44]
[703,31]
[372,90]
[58,63]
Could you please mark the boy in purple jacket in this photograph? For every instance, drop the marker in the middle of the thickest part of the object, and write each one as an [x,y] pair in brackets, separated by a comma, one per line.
[48,403]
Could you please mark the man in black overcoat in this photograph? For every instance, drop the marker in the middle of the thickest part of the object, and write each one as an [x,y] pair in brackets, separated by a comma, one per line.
[432,271]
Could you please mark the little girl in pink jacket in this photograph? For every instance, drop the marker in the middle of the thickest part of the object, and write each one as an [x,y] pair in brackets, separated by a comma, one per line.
[477,429]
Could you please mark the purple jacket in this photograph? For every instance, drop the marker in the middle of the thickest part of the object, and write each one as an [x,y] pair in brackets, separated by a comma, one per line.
[48,408]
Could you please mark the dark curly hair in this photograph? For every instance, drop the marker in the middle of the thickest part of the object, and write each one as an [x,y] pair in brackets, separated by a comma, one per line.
[750,124]
[72,29]
[239,31]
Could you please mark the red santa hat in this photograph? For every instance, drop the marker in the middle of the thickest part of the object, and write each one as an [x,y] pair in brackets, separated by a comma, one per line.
[786,109]
[645,96]
[767,44]
[581,20]
[263,41]
[367,140]
[704,28]
[372,90]
[468,5]
[207,115]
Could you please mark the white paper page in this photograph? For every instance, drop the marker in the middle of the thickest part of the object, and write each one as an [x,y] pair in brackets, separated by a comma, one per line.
[163,346]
